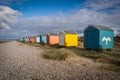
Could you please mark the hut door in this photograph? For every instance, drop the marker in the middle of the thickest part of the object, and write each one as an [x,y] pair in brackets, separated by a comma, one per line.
[61,39]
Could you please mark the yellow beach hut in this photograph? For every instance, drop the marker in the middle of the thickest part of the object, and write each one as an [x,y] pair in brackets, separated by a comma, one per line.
[68,38]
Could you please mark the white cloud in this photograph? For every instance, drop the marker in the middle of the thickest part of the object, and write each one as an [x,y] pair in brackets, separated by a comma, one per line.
[72,21]
[8,16]
[4,25]
[102,4]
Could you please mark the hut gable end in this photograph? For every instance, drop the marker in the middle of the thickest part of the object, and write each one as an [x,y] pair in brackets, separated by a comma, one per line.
[91,28]
[96,27]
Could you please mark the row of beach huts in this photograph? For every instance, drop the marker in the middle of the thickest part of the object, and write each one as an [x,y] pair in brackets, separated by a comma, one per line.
[95,37]
[64,38]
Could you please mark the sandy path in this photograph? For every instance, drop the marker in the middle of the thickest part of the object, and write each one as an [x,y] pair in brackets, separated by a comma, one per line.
[23,62]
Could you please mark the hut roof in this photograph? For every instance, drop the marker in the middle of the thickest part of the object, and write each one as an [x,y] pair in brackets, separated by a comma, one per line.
[99,27]
[37,35]
[68,32]
[52,34]
[31,37]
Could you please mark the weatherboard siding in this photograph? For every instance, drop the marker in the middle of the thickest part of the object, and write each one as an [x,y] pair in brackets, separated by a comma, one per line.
[26,39]
[71,40]
[91,39]
[61,40]
[98,37]
[90,29]
[32,40]
[68,39]
[52,39]
[38,39]
[43,39]
[106,34]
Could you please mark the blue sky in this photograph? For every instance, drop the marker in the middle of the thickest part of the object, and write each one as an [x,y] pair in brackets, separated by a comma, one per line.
[44,7]
[19,18]
[49,7]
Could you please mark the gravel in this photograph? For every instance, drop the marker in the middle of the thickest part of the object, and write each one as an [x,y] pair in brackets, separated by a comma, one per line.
[24,62]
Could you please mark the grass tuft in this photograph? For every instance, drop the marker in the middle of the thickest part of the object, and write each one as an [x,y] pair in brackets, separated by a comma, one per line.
[110,68]
[57,54]
[35,79]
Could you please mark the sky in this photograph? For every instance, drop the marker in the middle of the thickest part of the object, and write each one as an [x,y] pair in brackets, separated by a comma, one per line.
[22,18]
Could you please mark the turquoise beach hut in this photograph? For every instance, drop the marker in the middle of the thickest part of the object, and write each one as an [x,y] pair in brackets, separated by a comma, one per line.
[43,39]
[98,37]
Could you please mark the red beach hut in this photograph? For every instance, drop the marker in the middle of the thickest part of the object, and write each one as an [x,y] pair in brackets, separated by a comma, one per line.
[32,39]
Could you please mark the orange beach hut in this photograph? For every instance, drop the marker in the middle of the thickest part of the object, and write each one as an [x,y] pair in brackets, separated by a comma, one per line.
[52,38]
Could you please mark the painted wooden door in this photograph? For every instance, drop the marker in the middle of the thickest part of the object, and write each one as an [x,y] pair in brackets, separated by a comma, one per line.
[106,39]
[61,42]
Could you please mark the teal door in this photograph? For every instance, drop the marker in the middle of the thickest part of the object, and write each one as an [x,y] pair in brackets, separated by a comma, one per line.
[43,39]
[106,39]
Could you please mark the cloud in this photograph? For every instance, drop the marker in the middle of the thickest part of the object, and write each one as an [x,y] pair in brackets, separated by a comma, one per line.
[8,16]
[74,21]
[102,4]
[109,10]
[4,26]
[93,12]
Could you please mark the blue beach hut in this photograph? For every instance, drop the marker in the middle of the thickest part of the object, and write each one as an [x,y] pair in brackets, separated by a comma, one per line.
[98,37]
[43,39]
